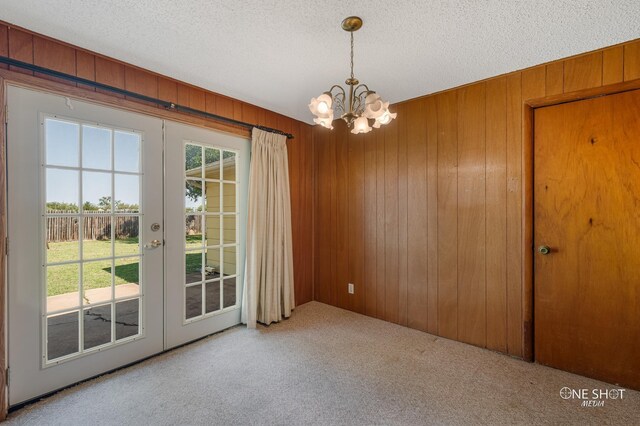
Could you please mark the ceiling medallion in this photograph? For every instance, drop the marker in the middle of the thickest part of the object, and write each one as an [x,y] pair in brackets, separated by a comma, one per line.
[362,104]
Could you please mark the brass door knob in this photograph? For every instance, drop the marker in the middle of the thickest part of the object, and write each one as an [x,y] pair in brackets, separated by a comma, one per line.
[544,250]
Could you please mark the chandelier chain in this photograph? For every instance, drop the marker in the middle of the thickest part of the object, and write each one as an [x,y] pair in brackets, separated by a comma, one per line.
[351,54]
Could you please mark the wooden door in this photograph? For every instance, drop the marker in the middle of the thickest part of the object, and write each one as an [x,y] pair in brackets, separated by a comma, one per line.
[587,210]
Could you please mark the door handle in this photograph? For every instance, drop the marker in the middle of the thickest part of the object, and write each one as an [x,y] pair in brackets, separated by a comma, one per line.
[545,250]
[153,244]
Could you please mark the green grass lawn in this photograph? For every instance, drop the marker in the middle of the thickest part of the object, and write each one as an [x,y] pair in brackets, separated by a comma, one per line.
[64,278]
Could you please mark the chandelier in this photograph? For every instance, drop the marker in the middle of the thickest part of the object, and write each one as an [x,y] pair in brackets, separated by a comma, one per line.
[361,105]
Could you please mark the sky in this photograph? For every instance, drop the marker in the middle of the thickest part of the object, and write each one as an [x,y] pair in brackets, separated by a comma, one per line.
[62,148]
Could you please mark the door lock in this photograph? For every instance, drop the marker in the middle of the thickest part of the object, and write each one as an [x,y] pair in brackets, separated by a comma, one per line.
[544,250]
[155,227]
[153,244]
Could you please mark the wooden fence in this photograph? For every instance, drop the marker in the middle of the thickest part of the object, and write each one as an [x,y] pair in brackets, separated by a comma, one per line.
[98,227]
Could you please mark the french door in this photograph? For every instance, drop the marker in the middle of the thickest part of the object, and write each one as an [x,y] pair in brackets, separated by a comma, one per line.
[124,238]
[206,185]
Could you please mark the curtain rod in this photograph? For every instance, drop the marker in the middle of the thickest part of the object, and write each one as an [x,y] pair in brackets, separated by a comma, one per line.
[166,104]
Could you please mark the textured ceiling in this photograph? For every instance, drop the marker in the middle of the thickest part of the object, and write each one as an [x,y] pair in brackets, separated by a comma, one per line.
[278,54]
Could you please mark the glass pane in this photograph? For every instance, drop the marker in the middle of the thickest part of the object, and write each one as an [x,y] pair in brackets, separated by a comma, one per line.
[96,191]
[193,161]
[97,326]
[212,263]
[229,197]
[127,277]
[229,267]
[126,151]
[212,230]
[193,235]
[212,191]
[126,230]
[127,318]
[193,267]
[96,148]
[62,239]
[62,335]
[212,165]
[212,295]
[96,281]
[193,196]
[127,193]
[62,191]
[193,301]
[229,166]
[97,237]
[229,292]
[62,287]
[61,143]
[229,233]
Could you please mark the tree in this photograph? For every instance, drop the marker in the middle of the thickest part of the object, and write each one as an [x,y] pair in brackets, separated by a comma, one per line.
[193,160]
[61,206]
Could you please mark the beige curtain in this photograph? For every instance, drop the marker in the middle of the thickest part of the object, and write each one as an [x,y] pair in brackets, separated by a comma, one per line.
[268,284]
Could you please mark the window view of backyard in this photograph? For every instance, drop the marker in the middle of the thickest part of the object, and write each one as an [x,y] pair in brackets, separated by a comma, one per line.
[92,253]
[211,230]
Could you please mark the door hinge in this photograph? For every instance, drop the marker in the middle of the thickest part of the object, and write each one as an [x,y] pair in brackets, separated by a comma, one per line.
[8,376]
[6,246]
[6,113]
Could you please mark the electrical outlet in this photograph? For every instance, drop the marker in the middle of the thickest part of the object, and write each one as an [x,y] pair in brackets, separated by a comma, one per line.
[350,288]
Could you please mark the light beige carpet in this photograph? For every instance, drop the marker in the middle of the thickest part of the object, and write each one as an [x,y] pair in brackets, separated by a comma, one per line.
[329,366]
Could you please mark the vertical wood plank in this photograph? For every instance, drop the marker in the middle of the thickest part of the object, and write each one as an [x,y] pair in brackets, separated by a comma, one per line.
[471,215]
[355,194]
[183,94]
[237,110]
[369,219]
[86,68]
[332,230]
[210,102]
[54,56]
[325,164]
[109,72]
[431,120]
[270,119]
[583,72]
[4,43]
[20,48]
[632,60]
[250,115]
[555,78]
[224,106]
[168,90]
[197,99]
[309,205]
[294,146]
[262,116]
[140,81]
[496,206]
[402,215]
[381,237]
[391,222]
[532,87]
[417,241]
[612,65]
[514,211]
[447,105]
[342,215]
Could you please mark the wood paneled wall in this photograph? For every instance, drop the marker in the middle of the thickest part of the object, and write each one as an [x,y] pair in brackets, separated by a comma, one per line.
[32,48]
[425,215]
